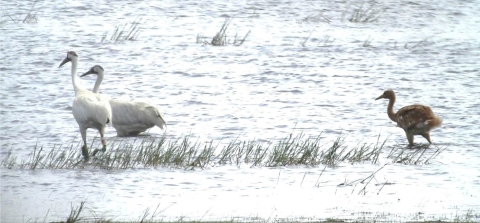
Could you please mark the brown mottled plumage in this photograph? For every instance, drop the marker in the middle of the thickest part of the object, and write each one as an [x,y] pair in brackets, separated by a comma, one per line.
[413,119]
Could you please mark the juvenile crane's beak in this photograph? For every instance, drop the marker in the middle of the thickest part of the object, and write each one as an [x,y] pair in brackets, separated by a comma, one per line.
[380,97]
[66,60]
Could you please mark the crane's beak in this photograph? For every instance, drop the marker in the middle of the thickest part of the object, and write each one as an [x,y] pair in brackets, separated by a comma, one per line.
[380,97]
[66,60]
[88,72]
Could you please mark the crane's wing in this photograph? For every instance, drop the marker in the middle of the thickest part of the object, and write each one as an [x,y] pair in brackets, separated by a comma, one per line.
[411,115]
[89,108]
[127,113]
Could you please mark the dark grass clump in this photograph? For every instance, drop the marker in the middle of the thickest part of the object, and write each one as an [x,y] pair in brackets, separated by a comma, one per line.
[127,32]
[366,12]
[220,39]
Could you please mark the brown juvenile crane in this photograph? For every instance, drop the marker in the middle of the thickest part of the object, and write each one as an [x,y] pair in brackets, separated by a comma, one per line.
[413,119]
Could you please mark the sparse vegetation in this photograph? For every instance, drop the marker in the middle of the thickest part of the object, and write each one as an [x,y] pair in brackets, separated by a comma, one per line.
[122,33]
[418,44]
[367,42]
[418,155]
[366,12]
[31,16]
[221,39]
[157,217]
[315,18]
[190,154]
[326,41]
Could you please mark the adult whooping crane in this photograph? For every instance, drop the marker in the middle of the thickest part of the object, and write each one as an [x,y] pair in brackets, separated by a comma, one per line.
[413,119]
[129,118]
[89,109]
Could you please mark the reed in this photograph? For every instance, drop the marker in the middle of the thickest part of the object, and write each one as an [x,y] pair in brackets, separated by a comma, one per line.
[75,213]
[220,38]
[317,17]
[307,38]
[326,41]
[366,12]
[127,32]
[31,16]
[367,42]
[418,155]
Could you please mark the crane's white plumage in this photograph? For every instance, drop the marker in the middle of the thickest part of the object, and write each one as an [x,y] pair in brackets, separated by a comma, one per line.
[129,118]
[89,109]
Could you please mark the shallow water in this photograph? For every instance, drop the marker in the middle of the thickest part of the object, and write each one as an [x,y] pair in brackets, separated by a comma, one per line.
[267,88]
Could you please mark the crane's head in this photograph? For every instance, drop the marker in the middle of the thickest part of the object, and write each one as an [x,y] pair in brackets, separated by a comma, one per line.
[97,69]
[70,56]
[387,94]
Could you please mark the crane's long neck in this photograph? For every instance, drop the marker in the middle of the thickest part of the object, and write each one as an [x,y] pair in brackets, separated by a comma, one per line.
[390,112]
[75,81]
[98,82]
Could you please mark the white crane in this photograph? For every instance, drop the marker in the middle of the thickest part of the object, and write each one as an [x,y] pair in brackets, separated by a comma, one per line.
[89,109]
[129,118]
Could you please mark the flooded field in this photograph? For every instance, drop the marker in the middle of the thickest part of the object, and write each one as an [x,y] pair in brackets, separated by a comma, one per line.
[306,67]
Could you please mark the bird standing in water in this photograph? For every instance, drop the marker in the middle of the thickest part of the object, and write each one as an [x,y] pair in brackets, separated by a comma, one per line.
[89,109]
[413,119]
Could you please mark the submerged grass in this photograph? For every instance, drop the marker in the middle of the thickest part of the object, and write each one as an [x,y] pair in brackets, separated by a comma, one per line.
[157,216]
[366,12]
[220,39]
[187,153]
[418,155]
[127,32]
[31,16]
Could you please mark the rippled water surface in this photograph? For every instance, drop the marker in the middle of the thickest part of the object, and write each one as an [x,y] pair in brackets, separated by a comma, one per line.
[274,84]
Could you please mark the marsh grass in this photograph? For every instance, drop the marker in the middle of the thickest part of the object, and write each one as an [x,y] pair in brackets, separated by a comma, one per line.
[327,40]
[366,12]
[157,216]
[419,44]
[367,42]
[307,38]
[317,17]
[127,32]
[221,38]
[31,16]
[190,154]
[418,155]
[75,213]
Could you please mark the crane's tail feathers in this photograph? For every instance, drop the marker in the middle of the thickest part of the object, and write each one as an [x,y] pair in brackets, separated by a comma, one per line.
[435,122]
[109,122]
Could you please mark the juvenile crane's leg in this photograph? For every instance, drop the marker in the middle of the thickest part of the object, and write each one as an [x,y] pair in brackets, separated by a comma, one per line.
[83,132]
[427,136]
[410,138]
[104,142]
